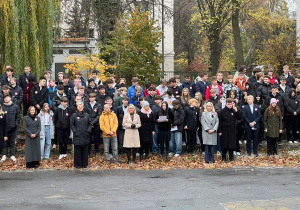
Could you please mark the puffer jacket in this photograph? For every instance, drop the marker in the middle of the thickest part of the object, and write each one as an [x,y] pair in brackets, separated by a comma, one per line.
[38,96]
[191,119]
[13,116]
[81,128]
[17,95]
[62,117]
[292,104]
[178,118]
[94,112]
[108,122]
[131,93]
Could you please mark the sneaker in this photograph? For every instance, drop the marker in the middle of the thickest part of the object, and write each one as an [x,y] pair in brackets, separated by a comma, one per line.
[61,156]
[290,142]
[137,154]
[54,146]
[234,152]
[171,154]
[295,142]
[245,141]
[218,153]
[240,142]
[65,155]
[176,155]
[110,156]
[13,158]
[238,153]
[203,153]
[4,157]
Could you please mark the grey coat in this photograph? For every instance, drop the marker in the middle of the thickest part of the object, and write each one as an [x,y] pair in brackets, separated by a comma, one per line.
[209,123]
[32,145]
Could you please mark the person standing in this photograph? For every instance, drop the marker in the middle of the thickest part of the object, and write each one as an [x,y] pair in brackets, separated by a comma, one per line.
[23,77]
[3,128]
[189,85]
[251,115]
[16,92]
[32,128]
[81,127]
[131,91]
[227,129]
[109,124]
[147,129]
[164,128]
[39,94]
[203,84]
[210,124]
[121,111]
[12,112]
[47,130]
[30,85]
[132,123]
[273,126]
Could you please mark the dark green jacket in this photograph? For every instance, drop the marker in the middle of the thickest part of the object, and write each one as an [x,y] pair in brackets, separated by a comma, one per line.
[273,124]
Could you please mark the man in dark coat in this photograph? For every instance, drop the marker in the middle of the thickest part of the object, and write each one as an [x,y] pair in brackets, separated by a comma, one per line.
[264,90]
[253,79]
[251,114]
[39,94]
[227,128]
[151,97]
[16,92]
[5,78]
[23,77]
[94,110]
[189,85]
[121,111]
[203,84]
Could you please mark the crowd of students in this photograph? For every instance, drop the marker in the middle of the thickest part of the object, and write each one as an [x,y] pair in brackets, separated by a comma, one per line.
[215,114]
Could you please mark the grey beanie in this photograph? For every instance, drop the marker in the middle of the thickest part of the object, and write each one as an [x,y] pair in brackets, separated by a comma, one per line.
[145,103]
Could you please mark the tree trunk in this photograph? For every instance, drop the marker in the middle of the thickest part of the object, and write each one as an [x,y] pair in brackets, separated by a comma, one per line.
[215,54]
[236,33]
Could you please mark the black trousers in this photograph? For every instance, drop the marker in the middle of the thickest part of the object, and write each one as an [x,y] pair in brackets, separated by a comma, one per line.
[134,150]
[291,126]
[81,158]
[224,152]
[162,144]
[191,141]
[201,140]
[144,148]
[63,138]
[272,146]
[120,137]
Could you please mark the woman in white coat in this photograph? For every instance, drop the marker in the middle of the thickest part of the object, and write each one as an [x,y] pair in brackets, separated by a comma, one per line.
[210,124]
[47,130]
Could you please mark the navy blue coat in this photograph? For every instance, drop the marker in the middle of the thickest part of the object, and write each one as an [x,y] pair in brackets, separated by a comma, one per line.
[201,87]
[249,117]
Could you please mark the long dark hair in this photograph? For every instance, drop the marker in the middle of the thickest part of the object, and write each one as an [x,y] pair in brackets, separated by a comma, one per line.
[274,110]
[162,112]
[30,79]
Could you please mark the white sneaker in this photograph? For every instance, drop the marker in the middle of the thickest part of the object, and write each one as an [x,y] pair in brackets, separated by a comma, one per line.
[65,155]
[171,154]
[110,156]
[238,153]
[203,153]
[137,154]
[234,152]
[61,156]
[240,142]
[54,146]
[4,157]
[245,141]
[290,142]
[13,158]
[295,142]
[176,155]
[218,153]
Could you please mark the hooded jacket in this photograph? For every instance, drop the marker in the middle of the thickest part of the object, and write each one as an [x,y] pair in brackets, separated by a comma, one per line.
[13,116]
[108,122]
[81,126]
[62,117]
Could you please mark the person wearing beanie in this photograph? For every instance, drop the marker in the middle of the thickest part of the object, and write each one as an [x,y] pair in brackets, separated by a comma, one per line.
[146,130]
[273,126]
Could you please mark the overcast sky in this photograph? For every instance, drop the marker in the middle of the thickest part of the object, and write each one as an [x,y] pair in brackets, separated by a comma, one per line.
[292,5]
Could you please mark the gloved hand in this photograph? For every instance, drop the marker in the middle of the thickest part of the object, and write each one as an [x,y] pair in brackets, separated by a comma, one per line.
[133,126]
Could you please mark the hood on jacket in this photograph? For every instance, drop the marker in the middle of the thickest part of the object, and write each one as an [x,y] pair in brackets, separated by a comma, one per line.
[61,107]
[290,95]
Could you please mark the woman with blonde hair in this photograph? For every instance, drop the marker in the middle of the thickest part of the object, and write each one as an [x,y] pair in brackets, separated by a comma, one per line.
[210,124]
[3,128]
[185,98]
[131,121]
[47,130]
[200,100]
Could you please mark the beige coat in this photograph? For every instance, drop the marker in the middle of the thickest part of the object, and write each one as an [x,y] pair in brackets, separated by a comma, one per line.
[131,136]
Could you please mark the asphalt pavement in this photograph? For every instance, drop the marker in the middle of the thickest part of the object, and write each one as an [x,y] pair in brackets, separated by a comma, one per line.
[234,188]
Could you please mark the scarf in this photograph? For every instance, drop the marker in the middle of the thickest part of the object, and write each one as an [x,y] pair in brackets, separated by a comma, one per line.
[146,112]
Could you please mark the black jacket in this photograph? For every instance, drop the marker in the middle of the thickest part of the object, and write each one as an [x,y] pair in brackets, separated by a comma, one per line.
[67,88]
[179,116]
[56,100]
[13,116]
[95,90]
[145,131]
[22,81]
[150,100]
[62,117]
[191,119]
[177,92]
[94,112]
[4,80]
[38,96]
[101,99]
[81,127]
[252,83]
[289,80]
[16,95]
[291,105]
[120,115]
[165,126]
[3,129]
[280,102]
[264,90]
[191,86]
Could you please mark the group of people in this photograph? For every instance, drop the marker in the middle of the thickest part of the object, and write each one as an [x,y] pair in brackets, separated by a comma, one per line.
[214,114]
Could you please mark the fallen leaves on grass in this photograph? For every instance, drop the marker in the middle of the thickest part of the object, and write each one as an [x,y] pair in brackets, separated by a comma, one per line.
[155,162]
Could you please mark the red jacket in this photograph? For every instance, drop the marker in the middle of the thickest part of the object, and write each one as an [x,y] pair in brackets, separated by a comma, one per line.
[273,80]
[27,93]
[207,94]
[146,92]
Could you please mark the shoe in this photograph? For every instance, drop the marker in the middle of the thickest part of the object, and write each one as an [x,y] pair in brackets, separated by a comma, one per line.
[61,157]
[110,156]
[256,155]
[183,143]
[234,152]
[128,162]
[290,142]
[203,153]
[65,155]
[176,155]
[54,146]
[295,142]
[13,158]
[4,157]
[218,153]
[279,143]
[260,143]
[238,153]
[146,156]
[137,154]
[171,154]
[224,160]
[245,141]
[240,142]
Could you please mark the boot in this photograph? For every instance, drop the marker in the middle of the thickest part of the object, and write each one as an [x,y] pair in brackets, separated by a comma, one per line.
[167,156]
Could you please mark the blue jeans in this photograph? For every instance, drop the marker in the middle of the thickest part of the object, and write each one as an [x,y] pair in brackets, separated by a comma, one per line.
[113,141]
[176,142]
[209,153]
[154,145]
[47,139]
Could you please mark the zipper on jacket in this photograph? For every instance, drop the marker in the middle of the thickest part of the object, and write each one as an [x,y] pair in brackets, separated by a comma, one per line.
[109,123]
